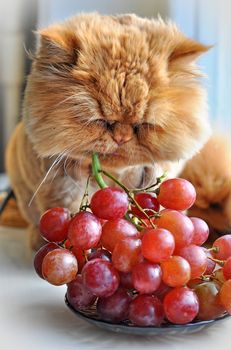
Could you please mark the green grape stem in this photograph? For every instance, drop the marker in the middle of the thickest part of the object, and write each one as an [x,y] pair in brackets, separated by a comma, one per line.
[213,249]
[96,169]
[219,262]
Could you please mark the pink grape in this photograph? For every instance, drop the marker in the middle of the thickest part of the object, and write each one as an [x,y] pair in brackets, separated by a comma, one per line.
[181,305]
[127,254]
[225,295]
[196,258]
[209,304]
[210,263]
[84,230]
[53,224]
[227,269]
[109,203]
[177,194]
[157,244]
[146,277]
[176,271]
[100,277]
[59,267]
[146,310]
[201,231]
[78,295]
[115,231]
[146,201]
[180,226]
[115,307]
[39,256]
[224,247]
[100,254]
[126,280]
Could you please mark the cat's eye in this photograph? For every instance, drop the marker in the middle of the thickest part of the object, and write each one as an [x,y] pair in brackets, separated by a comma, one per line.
[215,206]
[107,124]
[138,127]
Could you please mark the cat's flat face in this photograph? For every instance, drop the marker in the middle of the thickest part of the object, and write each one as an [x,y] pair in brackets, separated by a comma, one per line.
[124,87]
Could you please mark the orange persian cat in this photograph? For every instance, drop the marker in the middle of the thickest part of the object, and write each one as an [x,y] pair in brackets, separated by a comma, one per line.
[125,87]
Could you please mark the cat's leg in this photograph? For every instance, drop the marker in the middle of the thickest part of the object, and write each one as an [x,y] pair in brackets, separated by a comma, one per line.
[210,173]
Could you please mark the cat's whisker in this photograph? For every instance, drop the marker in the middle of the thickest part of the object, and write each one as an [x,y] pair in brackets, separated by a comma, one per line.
[44,179]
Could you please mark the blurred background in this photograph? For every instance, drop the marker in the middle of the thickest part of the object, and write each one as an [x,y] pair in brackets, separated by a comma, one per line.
[207,21]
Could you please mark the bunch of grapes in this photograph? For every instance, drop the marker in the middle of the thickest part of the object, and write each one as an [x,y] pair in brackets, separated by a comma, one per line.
[136,256]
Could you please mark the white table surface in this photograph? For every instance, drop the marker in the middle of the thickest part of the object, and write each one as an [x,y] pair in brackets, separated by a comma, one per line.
[33,315]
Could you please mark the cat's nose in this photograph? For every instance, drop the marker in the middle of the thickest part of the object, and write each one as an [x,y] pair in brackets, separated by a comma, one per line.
[120,139]
[122,133]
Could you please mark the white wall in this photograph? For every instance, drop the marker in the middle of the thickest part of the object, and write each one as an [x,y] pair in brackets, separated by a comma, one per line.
[54,10]
[16,17]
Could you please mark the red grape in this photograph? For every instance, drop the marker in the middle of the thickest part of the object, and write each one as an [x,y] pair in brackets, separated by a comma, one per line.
[146,201]
[210,263]
[59,267]
[116,230]
[192,284]
[224,247]
[80,256]
[126,280]
[181,305]
[115,307]
[209,303]
[109,203]
[84,230]
[157,244]
[227,269]
[127,254]
[225,295]
[39,256]
[146,277]
[218,276]
[162,291]
[78,295]
[201,231]
[146,310]
[100,254]
[100,277]
[179,225]
[177,194]
[176,271]
[196,258]
[54,223]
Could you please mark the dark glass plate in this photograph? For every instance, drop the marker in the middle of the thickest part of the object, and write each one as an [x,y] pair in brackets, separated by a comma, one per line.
[90,316]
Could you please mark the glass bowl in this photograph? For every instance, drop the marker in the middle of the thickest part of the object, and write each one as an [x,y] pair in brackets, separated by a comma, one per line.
[90,316]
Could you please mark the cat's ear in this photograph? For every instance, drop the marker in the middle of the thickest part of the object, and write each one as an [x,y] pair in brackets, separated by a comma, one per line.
[187,51]
[57,44]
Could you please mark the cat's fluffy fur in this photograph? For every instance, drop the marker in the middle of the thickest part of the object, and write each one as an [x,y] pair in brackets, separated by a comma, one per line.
[210,172]
[125,87]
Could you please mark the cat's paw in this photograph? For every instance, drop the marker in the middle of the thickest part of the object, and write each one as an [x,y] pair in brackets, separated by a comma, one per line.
[210,172]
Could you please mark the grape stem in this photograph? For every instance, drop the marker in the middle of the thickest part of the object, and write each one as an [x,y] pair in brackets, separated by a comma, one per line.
[205,278]
[219,262]
[84,202]
[213,249]
[130,195]
[159,180]
[97,171]
[132,220]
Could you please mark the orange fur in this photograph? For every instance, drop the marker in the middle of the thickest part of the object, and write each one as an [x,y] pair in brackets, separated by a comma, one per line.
[210,172]
[125,87]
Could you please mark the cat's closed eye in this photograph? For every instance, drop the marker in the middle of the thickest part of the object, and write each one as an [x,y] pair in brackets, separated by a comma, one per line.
[110,124]
[107,124]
